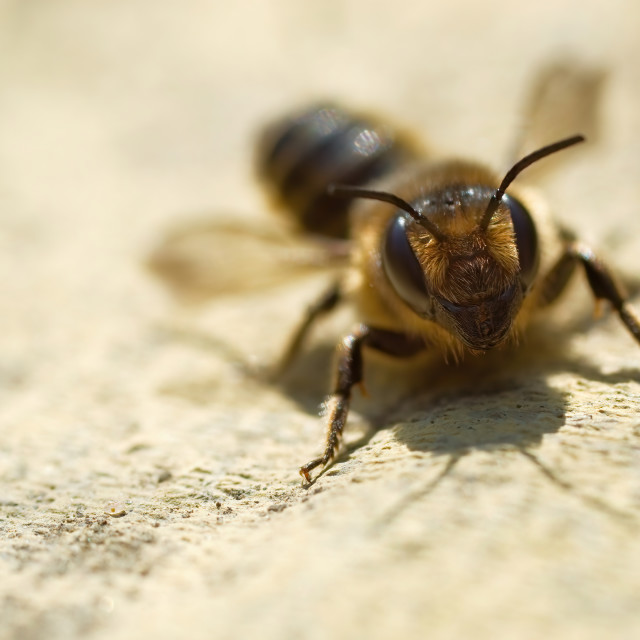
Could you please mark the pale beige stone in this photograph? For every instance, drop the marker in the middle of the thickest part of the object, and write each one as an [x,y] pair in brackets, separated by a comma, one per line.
[485,504]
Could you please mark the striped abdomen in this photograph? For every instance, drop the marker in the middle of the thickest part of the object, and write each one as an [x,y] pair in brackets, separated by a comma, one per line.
[301,155]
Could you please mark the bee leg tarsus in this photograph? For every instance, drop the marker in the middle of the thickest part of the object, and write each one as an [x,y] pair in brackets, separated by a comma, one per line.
[630,321]
[306,469]
[349,374]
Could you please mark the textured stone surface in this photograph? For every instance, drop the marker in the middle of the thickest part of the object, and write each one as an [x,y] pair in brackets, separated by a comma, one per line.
[496,500]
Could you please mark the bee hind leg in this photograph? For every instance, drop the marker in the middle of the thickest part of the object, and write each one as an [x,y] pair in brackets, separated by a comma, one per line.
[326,303]
[349,374]
[601,280]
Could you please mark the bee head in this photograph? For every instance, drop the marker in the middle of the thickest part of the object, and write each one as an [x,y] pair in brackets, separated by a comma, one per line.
[464,255]
[471,281]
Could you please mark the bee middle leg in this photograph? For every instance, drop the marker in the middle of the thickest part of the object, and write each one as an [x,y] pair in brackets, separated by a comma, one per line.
[326,303]
[602,282]
[349,373]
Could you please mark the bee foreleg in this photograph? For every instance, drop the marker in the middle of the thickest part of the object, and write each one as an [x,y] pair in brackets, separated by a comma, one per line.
[349,373]
[323,305]
[602,282]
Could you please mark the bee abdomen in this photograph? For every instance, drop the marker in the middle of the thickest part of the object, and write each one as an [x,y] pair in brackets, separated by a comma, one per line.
[301,155]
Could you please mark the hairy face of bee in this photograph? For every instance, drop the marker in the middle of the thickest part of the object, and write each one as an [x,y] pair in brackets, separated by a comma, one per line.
[471,281]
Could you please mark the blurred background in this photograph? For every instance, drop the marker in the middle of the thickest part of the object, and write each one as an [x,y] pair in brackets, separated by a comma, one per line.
[148,109]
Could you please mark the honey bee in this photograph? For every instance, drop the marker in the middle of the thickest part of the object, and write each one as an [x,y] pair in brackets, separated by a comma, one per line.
[447,259]
[445,255]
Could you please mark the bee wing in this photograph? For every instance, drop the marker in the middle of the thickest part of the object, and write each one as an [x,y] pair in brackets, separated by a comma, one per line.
[208,258]
[564,100]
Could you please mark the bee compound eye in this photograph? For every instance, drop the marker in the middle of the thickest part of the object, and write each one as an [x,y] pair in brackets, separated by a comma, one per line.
[403,269]
[526,239]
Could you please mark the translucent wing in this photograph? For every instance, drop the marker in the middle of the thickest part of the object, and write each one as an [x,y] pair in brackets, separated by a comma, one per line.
[208,257]
[564,100]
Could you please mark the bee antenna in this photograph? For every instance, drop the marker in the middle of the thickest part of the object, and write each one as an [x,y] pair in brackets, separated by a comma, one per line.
[347,191]
[517,168]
